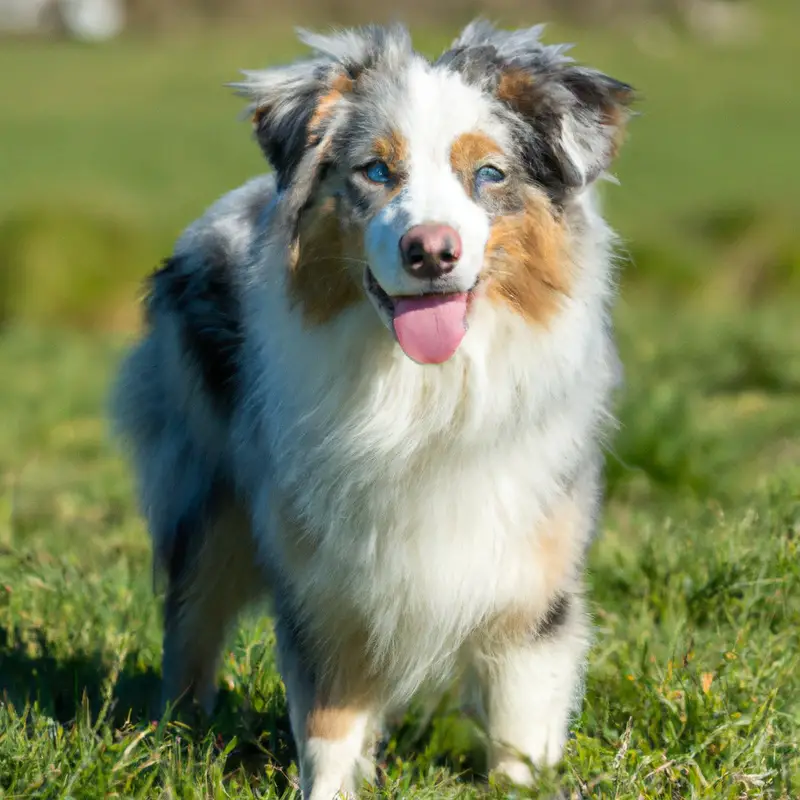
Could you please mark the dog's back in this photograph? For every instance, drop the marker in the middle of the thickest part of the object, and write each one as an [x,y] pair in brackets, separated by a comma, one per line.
[176,390]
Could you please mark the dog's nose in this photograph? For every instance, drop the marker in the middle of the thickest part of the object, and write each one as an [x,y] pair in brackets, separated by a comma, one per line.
[430,250]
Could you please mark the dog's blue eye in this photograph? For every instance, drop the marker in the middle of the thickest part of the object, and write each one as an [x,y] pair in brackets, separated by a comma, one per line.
[377,172]
[489,174]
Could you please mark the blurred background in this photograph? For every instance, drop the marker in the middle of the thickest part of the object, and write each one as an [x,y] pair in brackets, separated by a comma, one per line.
[116,131]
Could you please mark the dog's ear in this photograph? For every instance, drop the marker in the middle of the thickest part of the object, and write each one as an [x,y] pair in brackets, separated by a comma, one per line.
[576,120]
[571,119]
[295,107]
[292,107]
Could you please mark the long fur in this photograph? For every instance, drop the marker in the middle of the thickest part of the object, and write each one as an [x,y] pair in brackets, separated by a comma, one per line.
[405,520]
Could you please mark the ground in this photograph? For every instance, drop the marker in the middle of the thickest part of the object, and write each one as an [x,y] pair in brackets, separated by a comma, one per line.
[694,681]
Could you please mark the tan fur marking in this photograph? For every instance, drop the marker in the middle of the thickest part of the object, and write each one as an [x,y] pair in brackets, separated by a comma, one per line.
[344,686]
[616,117]
[325,106]
[392,149]
[469,151]
[556,549]
[322,278]
[258,114]
[330,723]
[517,88]
[340,85]
[527,261]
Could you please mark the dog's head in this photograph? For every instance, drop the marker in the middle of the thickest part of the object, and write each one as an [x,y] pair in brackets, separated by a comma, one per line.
[427,185]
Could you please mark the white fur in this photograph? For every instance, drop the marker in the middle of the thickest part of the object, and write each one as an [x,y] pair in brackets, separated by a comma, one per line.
[327,765]
[433,192]
[528,695]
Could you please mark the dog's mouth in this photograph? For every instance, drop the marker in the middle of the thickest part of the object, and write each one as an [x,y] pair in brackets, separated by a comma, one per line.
[428,327]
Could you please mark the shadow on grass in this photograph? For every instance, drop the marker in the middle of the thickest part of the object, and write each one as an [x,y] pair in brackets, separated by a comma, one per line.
[57,685]
[73,690]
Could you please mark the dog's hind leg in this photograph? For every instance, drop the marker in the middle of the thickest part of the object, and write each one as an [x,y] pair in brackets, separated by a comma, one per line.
[213,575]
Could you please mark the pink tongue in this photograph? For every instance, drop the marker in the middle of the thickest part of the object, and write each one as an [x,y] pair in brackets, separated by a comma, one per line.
[430,328]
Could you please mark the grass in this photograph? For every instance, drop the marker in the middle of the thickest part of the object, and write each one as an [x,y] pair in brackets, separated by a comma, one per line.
[694,686]
[694,681]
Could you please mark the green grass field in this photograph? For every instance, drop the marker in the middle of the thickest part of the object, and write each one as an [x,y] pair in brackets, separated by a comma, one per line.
[694,682]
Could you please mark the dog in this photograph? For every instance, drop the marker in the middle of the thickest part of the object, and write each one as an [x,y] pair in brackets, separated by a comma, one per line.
[375,388]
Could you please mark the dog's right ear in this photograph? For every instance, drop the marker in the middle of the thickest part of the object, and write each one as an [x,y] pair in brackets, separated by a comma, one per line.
[295,108]
[292,108]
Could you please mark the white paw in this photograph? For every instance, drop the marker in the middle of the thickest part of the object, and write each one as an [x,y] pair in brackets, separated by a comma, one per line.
[515,771]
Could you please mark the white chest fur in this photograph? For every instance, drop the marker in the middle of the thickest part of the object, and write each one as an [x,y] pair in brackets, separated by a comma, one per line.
[420,490]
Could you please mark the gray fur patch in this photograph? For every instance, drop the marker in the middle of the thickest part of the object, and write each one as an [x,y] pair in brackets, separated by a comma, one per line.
[522,47]
[205,304]
[478,65]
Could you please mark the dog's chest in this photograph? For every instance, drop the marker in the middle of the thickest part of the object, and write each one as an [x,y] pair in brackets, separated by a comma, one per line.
[416,497]
[420,555]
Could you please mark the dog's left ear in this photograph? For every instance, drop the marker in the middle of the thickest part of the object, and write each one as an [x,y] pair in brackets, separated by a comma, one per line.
[580,116]
[571,119]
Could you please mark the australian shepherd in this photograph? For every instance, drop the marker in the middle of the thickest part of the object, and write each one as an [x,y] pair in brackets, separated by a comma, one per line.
[375,385]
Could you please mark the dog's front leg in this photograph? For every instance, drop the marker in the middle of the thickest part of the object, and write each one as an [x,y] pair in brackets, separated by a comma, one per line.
[530,687]
[333,715]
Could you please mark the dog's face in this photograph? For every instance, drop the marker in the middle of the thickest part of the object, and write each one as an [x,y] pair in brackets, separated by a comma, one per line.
[424,186]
